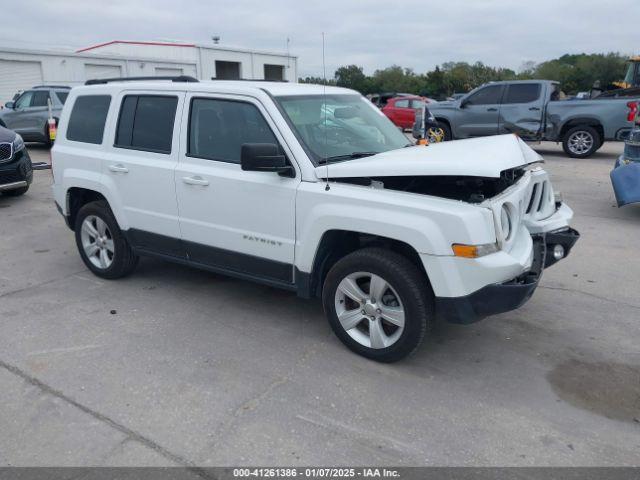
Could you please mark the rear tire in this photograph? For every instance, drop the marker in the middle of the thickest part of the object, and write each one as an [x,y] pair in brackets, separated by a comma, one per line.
[387,328]
[101,244]
[581,141]
[17,192]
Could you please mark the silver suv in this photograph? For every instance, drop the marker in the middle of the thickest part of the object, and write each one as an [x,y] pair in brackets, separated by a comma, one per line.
[28,114]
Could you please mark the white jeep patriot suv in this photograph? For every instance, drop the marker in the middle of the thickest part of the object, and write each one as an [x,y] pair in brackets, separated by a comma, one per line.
[310,189]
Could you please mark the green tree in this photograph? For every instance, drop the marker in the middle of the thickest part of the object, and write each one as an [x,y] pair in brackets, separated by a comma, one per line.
[352,76]
[317,80]
[575,72]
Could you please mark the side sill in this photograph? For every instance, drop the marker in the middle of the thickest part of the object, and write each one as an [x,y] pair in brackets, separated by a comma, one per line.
[224,271]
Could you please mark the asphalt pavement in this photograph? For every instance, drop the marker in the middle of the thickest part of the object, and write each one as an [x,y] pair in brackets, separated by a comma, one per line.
[174,366]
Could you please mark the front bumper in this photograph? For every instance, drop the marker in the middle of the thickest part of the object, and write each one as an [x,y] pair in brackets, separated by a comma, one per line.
[507,296]
[625,179]
[17,172]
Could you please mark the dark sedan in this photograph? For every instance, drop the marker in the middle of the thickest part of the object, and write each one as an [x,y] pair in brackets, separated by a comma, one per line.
[16,172]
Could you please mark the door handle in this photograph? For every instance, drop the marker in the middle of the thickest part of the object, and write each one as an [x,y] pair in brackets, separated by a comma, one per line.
[535,109]
[492,109]
[197,180]
[118,168]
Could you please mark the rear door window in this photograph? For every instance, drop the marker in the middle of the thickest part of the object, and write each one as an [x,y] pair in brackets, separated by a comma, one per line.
[146,123]
[401,104]
[87,119]
[522,93]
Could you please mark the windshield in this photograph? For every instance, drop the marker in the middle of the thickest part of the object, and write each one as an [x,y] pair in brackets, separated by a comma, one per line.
[340,127]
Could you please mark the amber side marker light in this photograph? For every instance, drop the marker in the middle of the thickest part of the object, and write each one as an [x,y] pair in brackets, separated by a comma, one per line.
[473,251]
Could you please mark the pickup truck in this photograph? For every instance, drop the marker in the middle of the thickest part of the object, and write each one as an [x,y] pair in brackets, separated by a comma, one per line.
[532,109]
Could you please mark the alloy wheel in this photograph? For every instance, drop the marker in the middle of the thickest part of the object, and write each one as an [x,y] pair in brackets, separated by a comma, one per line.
[580,142]
[97,242]
[369,310]
[435,135]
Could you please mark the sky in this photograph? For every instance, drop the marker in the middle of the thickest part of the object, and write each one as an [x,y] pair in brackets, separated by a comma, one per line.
[370,33]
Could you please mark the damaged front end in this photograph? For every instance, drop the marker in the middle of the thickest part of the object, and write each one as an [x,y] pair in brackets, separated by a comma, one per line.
[500,177]
[470,189]
[625,176]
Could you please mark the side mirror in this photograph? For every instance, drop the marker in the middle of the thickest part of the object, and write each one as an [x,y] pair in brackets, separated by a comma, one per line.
[464,103]
[345,113]
[264,157]
[10,105]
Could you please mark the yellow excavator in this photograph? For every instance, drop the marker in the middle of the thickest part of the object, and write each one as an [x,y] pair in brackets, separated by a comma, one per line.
[632,78]
[629,87]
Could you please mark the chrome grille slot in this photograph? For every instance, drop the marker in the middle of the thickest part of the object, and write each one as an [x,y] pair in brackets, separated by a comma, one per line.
[542,197]
[6,151]
[532,197]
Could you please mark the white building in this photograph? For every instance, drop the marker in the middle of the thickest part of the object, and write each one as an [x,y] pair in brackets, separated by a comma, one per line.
[21,69]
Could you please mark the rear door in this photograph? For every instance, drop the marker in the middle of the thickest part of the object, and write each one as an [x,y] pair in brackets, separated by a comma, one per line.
[522,109]
[140,167]
[479,112]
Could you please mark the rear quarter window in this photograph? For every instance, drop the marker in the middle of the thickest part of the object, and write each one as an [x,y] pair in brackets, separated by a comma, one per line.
[87,119]
[62,96]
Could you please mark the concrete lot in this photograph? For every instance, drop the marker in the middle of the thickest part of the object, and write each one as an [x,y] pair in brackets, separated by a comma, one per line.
[173,366]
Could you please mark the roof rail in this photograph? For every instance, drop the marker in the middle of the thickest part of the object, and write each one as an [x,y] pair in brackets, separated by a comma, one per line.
[52,86]
[102,81]
[247,80]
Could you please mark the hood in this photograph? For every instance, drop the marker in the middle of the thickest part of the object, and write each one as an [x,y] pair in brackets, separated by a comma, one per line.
[7,135]
[477,157]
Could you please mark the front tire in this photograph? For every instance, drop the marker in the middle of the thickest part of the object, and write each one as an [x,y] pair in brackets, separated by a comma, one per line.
[102,246]
[581,141]
[446,129]
[16,192]
[378,303]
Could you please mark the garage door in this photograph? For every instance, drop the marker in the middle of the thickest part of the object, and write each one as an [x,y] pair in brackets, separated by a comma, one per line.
[94,70]
[168,72]
[15,75]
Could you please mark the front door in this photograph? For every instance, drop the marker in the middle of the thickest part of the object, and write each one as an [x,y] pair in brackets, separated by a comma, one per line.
[522,109]
[18,118]
[234,220]
[479,113]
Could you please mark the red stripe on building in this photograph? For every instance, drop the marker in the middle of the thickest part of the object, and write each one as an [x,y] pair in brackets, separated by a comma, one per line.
[113,42]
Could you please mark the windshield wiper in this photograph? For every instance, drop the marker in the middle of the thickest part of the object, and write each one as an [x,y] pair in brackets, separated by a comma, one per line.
[350,156]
